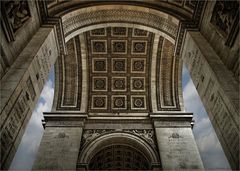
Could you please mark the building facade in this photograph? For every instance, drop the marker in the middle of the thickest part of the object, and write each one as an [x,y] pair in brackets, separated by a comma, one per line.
[118,97]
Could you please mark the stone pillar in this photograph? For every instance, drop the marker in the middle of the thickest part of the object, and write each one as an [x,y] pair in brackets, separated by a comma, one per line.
[218,90]
[21,87]
[176,144]
[60,144]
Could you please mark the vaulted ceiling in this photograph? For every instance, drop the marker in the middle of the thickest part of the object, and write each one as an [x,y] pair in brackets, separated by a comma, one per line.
[120,58]
[127,70]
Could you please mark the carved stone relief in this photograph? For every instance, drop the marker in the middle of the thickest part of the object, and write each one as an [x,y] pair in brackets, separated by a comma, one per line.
[148,135]
[31,88]
[90,134]
[15,14]
[9,130]
[223,15]
[225,18]
[88,18]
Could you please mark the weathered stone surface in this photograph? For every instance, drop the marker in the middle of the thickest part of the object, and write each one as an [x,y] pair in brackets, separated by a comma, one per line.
[59,149]
[20,88]
[229,54]
[131,67]
[178,149]
[218,90]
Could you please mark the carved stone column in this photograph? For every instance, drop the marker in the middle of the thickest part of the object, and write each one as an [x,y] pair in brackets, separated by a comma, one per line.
[218,89]
[60,144]
[21,87]
[176,144]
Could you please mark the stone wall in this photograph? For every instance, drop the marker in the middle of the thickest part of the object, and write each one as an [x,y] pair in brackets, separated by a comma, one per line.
[224,40]
[177,147]
[59,148]
[21,87]
[17,29]
[218,90]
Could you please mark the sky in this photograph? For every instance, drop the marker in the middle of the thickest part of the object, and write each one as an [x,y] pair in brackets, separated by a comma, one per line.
[209,147]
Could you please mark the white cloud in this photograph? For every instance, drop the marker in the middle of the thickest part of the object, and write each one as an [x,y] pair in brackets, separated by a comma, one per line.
[48,92]
[185,71]
[45,101]
[208,141]
[31,139]
[191,98]
[209,147]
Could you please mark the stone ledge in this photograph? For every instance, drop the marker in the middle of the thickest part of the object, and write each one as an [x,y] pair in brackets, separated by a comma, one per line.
[66,119]
[178,119]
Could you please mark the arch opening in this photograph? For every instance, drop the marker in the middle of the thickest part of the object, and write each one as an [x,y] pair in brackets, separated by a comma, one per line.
[119,157]
[118,151]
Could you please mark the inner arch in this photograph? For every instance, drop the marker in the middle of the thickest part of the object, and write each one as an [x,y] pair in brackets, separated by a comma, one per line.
[119,157]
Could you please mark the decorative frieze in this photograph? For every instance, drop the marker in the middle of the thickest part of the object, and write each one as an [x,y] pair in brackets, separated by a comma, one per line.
[14,15]
[12,124]
[224,14]
[89,18]
[225,18]
[165,91]
[146,134]
[70,77]
[31,88]
[90,134]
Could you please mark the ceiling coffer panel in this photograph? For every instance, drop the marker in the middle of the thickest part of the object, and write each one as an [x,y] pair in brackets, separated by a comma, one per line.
[118,60]
[119,72]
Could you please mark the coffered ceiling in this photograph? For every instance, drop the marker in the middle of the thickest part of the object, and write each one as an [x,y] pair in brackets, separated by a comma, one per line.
[127,69]
[118,59]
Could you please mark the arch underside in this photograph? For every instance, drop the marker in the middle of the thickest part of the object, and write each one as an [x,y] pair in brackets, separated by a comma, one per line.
[181,9]
[99,74]
[119,157]
[113,150]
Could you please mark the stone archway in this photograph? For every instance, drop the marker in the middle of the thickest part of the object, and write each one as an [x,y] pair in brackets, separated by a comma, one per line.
[67,23]
[119,157]
[78,96]
[77,22]
[125,145]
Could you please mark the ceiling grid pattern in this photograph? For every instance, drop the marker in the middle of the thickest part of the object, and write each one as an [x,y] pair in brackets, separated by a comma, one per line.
[118,59]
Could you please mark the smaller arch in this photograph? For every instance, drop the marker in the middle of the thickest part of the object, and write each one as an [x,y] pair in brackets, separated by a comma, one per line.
[119,157]
[119,139]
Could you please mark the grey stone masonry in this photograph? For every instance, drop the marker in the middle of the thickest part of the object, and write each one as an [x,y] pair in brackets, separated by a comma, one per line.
[218,90]
[60,143]
[176,144]
[20,88]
